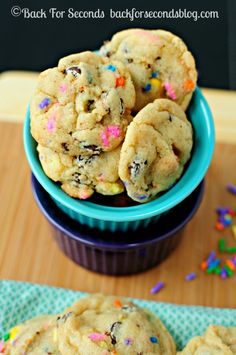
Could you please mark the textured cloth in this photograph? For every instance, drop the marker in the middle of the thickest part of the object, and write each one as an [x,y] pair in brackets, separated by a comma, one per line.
[20,301]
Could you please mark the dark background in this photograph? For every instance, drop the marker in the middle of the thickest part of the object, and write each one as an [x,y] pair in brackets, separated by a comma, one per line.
[36,44]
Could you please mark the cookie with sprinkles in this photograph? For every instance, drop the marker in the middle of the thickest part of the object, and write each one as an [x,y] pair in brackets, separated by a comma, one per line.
[160,64]
[216,340]
[36,336]
[83,105]
[105,325]
[157,145]
[81,175]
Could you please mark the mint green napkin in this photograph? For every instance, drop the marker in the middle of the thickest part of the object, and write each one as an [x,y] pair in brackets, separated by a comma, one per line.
[20,301]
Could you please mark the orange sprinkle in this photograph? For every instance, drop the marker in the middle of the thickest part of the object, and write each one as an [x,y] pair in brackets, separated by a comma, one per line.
[219,226]
[204,265]
[230,264]
[120,81]
[114,352]
[189,85]
[117,303]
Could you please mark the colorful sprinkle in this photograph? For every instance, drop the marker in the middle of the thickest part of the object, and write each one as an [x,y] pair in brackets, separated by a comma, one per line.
[219,226]
[221,245]
[228,271]
[117,303]
[51,124]
[191,276]
[114,131]
[142,197]
[63,87]
[13,332]
[128,341]
[152,37]
[104,138]
[231,188]
[147,87]
[153,340]
[97,336]
[157,287]
[230,264]
[234,231]
[44,103]
[120,81]
[231,249]
[170,91]
[155,82]
[111,67]
[189,85]
[6,336]
[155,74]
[223,273]
[2,346]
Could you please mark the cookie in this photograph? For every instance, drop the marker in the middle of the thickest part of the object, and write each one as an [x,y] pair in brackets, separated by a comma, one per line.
[80,175]
[83,105]
[105,325]
[157,145]
[37,336]
[217,340]
[160,64]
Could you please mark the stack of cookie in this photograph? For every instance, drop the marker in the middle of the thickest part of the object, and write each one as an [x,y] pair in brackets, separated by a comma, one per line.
[116,121]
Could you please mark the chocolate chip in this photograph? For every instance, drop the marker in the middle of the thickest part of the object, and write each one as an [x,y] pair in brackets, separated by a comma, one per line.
[176,150]
[170,118]
[134,169]
[90,105]
[75,71]
[122,107]
[130,60]
[76,177]
[114,328]
[84,159]
[92,147]
[65,147]
[158,58]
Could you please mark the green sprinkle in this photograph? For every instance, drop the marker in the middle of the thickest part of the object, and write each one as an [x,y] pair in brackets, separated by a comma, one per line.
[6,336]
[228,270]
[231,249]
[221,245]
[217,270]
[210,270]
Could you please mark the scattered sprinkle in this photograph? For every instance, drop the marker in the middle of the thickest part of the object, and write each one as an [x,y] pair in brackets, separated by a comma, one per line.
[221,245]
[6,336]
[231,188]
[155,83]
[153,340]
[170,91]
[147,87]
[2,346]
[191,276]
[44,103]
[13,332]
[234,231]
[157,287]
[189,85]
[63,87]
[128,341]
[97,336]
[51,124]
[155,74]
[111,67]
[117,303]
[120,81]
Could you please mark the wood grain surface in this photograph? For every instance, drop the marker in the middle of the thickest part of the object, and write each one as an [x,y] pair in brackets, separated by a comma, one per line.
[28,253]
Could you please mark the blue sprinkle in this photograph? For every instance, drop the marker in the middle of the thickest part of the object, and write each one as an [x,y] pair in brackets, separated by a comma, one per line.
[147,87]
[155,74]
[153,340]
[142,197]
[44,103]
[111,67]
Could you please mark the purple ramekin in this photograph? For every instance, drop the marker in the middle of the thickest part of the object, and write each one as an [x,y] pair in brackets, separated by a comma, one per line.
[117,253]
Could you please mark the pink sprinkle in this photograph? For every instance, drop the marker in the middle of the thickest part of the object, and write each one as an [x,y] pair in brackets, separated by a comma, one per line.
[104,137]
[2,346]
[51,124]
[148,35]
[63,87]
[97,336]
[83,195]
[170,91]
[114,130]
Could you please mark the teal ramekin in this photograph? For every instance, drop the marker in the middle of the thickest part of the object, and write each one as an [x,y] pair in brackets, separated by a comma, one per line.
[131,218]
